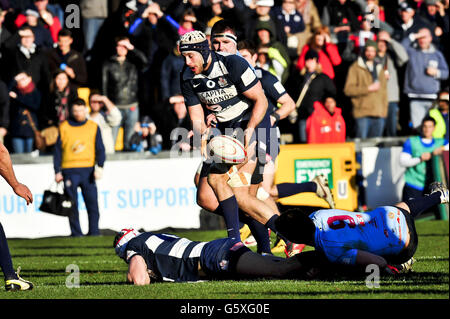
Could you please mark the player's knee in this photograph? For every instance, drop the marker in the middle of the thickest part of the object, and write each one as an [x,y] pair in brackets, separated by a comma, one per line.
[217,180]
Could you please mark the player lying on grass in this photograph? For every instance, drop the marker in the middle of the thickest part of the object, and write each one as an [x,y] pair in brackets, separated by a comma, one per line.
[155,257]
[385,236]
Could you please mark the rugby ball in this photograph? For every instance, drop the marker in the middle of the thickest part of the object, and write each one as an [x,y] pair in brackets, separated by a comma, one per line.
[226,149]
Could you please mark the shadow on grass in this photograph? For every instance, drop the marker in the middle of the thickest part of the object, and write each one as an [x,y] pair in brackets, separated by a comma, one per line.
[329,293]
[62,272]
[63,247]
[52,255]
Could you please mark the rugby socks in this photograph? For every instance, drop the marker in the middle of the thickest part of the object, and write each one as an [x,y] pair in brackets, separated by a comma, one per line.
[418,205]
[271,224]
[5,257]
[289,189]
[230,212]
[259,231]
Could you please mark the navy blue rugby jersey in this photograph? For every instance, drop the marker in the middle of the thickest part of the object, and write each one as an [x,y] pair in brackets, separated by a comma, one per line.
[220,88]
[171,258]
[273,89]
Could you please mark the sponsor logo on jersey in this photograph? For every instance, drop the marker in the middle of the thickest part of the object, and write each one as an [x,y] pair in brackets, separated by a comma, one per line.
[216,96]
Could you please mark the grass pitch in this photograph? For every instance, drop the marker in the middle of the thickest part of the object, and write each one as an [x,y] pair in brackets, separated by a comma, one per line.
[48,264]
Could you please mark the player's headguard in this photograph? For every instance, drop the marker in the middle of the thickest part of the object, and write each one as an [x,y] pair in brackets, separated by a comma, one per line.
[195,41]
[121,240]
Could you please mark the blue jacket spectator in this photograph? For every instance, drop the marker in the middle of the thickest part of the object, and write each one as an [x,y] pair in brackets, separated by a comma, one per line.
[425,71]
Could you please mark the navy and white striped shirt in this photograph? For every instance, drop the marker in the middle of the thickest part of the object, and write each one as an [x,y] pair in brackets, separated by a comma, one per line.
[220,88]
[170,257]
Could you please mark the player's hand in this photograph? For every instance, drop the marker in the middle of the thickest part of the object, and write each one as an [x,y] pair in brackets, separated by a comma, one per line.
[211,120]
[248,136]
[58,177]
[204,144]
[375,86]
[249,143]
[438,151]
[23,191]
[425,157]
[70,72]
[98,172]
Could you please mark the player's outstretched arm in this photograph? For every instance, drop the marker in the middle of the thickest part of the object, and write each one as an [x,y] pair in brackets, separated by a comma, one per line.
[137,271]
[256,94]
[364,258]
[7,172]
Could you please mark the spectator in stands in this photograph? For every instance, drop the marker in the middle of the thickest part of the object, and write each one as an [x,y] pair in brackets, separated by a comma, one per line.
[440,114]
[341,16]
[188,22]
[312,85]
[262,12]
[357,40]
[120,84]
[408,22]
[433,12]
[24,108]
[426,68]
[416,155]
[173,113]
[230,10]
[4,33]
[94,14]
[146,137]
[392,55]
[326,124]
[131,12]
[329,56]
[170,74]
[50,22]
[199,7]
[277,61]
[292,23]
[154,32]
[366,85]
[106,115]
[155,36]
[29,58]
[78,160]
[62,95]
[311,18]
[43,37]
[4,110]
[179,123]
[63,57]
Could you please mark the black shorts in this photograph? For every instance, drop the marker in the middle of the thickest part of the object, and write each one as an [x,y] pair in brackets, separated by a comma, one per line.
[407,253]
[257,176]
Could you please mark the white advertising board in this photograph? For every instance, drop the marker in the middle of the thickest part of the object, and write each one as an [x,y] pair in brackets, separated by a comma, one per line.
[149,194]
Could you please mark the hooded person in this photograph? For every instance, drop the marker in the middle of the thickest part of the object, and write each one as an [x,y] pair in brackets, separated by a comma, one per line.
[278,61]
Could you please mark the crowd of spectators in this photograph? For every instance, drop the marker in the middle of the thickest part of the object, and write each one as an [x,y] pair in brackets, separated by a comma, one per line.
[372,67]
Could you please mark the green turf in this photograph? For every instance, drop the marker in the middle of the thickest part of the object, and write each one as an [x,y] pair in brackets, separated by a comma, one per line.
[102,274]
